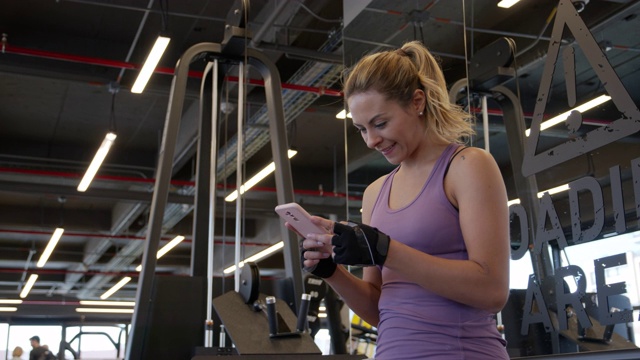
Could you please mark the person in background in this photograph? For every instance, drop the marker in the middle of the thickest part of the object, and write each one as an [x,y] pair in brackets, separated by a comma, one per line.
[434,238]
[39,352]
[17,353]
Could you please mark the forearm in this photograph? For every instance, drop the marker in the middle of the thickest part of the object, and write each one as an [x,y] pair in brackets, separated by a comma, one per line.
[464,281]
[360,296]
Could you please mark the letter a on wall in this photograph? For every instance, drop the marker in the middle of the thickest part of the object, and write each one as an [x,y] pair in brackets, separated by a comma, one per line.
[627,124]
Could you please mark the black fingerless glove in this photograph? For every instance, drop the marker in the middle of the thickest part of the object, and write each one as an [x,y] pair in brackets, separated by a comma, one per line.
[324,269]
[359,244]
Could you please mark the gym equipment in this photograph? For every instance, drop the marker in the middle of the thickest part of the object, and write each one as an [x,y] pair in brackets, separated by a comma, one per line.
[260,324]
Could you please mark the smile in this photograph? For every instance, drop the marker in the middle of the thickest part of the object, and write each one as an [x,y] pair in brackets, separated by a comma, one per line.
[387,150]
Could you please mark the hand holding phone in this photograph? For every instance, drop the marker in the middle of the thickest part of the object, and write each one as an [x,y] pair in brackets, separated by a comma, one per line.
[299,219]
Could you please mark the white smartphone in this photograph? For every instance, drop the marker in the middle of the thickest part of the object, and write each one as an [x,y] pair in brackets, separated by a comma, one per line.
[299,218]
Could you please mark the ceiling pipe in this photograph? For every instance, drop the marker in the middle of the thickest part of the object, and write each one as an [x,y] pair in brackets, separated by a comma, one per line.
[44,173]
[258,35]
[134,8]
[87,60]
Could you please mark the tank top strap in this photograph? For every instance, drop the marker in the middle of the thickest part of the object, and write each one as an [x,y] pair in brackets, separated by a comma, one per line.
[383,195]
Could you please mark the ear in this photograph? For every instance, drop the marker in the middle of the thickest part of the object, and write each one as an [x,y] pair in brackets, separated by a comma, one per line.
[419,100]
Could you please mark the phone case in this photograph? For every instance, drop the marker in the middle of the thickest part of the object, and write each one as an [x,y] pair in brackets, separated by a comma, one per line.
[299,218]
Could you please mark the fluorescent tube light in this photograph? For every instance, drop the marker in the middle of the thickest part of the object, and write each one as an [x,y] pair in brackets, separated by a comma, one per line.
[253,258]
[165,249]
[581,108]
[10,301]
[101,154]
[115,288]
[554,190]
[8,308]
[257,178]
[507,3]
[150,64]
[107,303]
[28,285]
[50,246]
[343,115]
[104,310]
[170,245]
[551,191]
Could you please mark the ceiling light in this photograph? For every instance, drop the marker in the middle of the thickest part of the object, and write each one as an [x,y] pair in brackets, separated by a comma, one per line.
[8,308]
[554,190]
[50,246]
[101,154]
[28,285]
[107,303]
[253,258]
[343,115]
[115,288]
[551,191]
[165,249]
[507,3]
[10,301]
[150,64]
[581,109]
[104,310]
[257,178]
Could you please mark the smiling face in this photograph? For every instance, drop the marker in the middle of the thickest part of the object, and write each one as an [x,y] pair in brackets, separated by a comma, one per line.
[396,131]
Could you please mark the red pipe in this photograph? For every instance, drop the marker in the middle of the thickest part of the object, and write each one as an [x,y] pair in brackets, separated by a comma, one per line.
[105,236]
[10,49]
[173,182]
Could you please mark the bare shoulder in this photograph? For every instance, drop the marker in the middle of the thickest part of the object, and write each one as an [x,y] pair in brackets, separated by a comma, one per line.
[472,159]
[374,188]
[370,196]
[473,171]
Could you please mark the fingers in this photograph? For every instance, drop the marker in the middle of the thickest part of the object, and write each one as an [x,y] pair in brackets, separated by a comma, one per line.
[310,263]
[288,226]
[324,223]
[315,250]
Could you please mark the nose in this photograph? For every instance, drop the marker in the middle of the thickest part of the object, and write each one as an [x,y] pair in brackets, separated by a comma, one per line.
[372,139]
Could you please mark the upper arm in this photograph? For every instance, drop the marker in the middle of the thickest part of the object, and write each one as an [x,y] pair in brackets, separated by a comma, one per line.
[476,187]
[371,274]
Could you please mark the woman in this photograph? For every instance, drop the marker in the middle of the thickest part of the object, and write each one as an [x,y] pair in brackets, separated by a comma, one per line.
[437,225]
[17,353]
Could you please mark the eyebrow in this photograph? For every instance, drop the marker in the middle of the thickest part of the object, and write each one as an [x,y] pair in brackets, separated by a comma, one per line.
[372,120]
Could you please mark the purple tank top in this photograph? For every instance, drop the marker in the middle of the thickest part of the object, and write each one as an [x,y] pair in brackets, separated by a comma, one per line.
[414,322]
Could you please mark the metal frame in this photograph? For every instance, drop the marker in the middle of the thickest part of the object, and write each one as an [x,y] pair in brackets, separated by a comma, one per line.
[284,186]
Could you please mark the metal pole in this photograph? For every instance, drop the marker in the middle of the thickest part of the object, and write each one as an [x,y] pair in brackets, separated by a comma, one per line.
[485,123]
[279,148]
[239,188]
[212,199]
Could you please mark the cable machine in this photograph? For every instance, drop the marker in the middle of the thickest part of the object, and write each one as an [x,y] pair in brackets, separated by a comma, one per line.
[153,293]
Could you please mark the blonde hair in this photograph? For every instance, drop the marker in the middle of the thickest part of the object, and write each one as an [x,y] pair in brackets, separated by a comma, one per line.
[17,351]
[397,74]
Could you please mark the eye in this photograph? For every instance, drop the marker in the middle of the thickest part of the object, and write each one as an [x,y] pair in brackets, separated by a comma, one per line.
[360,130]
[380,125]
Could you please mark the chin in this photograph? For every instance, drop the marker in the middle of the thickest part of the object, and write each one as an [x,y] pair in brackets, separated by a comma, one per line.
[393,161]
